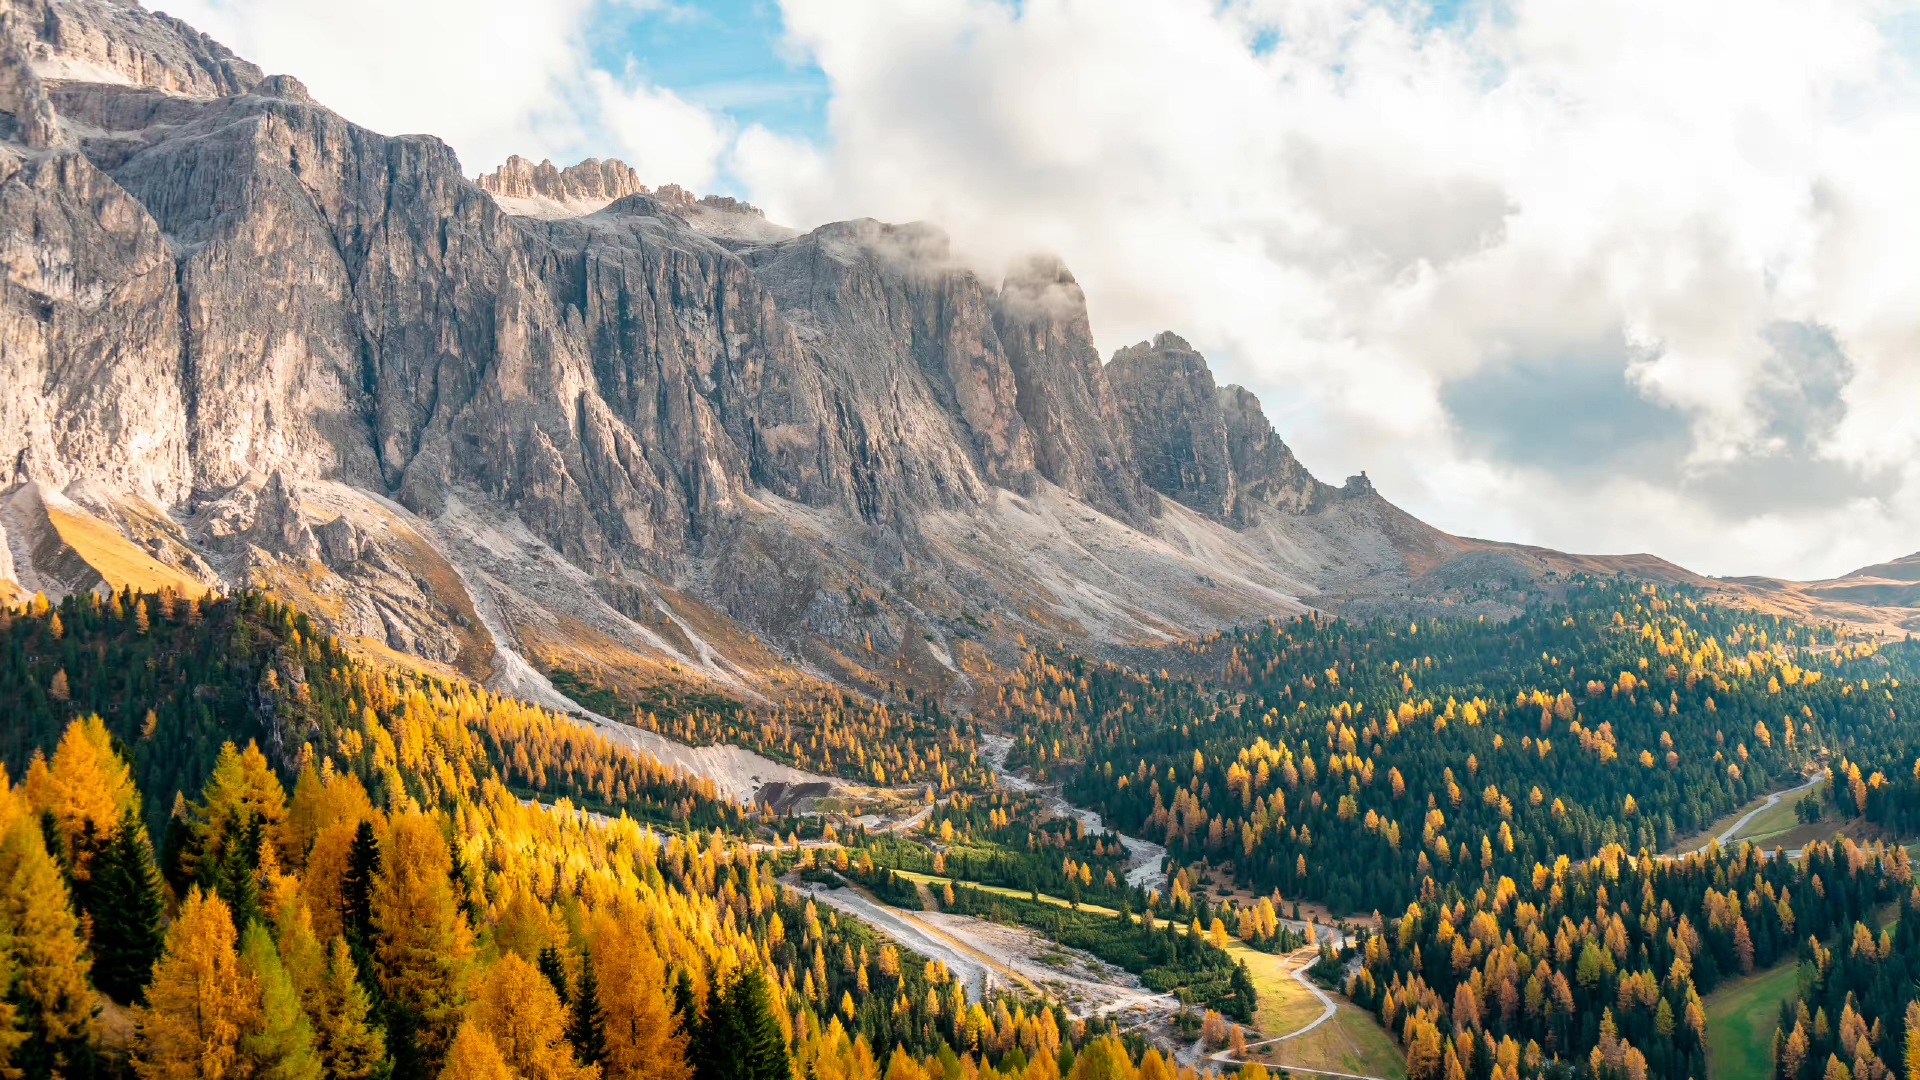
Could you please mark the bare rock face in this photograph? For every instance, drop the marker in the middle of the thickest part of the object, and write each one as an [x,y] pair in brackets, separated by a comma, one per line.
[557,410]
[1172,413]
[1209,448]
[1079,433]
[117,41]
[1265,471]
[909,335]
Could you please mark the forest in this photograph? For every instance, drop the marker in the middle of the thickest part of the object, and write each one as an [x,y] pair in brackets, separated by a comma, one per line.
[228,847]
[352,881]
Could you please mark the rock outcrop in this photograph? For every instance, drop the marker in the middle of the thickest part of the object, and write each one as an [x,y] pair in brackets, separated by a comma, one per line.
[591,180]
[1080,435]
[1209,447]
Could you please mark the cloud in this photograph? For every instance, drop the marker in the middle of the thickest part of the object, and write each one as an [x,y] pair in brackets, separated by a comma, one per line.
[1609,276]
[490,77]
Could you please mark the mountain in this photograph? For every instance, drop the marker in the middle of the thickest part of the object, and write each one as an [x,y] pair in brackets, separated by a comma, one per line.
[552,420]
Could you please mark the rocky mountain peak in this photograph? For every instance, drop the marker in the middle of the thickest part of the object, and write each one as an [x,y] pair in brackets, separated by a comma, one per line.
[548,191]
[591,180]
[1208,447]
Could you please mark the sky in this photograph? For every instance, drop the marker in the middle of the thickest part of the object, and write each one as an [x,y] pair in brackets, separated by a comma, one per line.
[1605,275]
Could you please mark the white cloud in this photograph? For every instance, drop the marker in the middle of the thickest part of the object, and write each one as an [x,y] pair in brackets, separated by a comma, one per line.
[664,138]
[1371,208]
[490,77]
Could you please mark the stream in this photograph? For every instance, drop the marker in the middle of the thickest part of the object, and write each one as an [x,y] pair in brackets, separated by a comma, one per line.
[1145,859]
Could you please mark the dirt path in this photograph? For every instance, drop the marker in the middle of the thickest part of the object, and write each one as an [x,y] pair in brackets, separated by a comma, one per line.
[1327,1008]
[1726,836]
[1144,858]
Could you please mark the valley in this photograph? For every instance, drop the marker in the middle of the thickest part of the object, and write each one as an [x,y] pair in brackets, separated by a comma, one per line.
[536,625]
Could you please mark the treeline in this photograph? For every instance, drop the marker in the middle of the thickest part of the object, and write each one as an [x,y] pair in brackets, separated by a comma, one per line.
[1346,762]
[1603,965]
[827,731]
[173,678]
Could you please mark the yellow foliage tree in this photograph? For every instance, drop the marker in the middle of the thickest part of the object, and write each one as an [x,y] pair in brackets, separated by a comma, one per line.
[422,943]
[520,1010]
[86,787]
[473,1056]
[640,1030]
[201,1000]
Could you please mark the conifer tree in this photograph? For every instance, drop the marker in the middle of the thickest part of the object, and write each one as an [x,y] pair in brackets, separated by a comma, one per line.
[641,1038]
[554,967]
[1913,1040]
[518,1008]
[11,1035]
[352,1046]
[740,1038]
[128,902]
[473,1056]
[280,1046]
[201,1002]
[50,983]
[86,787]
[356,886]
[421,946]
[587,1022]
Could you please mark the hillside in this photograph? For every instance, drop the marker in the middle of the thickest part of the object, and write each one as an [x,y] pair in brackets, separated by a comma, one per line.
[553,420]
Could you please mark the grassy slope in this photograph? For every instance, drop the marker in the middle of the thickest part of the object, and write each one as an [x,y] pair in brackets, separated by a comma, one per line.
[1350,1043]
[1775,820]
[1740,1021]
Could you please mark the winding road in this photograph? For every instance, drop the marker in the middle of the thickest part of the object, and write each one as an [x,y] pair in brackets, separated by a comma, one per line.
[1773,800]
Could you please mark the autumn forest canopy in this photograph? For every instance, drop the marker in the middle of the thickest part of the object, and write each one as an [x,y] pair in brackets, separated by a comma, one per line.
[230,847]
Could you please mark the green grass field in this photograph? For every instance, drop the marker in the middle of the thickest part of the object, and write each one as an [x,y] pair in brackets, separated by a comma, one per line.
[1352,1042]
[1740,1020]
[1776,819]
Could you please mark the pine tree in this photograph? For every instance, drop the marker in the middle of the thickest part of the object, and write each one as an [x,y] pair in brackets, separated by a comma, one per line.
[201,1001]
[740,1039]
[231,873]
[587,1023]
[356,885]
[280,1046]
[352,1046]
[50,985]
[518,1008]
[554,967]
[421,947]
[128,901]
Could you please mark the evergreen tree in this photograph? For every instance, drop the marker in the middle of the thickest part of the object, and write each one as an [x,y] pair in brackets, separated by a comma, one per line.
[740,1038]
[554,967]
[356,886]
[128,902]
[231,872]
[352,1046]
[281,1045]
[587,1023]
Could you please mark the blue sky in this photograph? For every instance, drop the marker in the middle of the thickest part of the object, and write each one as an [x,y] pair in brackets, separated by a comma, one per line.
[728,55]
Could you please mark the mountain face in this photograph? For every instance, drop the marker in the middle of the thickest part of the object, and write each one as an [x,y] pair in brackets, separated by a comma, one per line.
[556,419]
